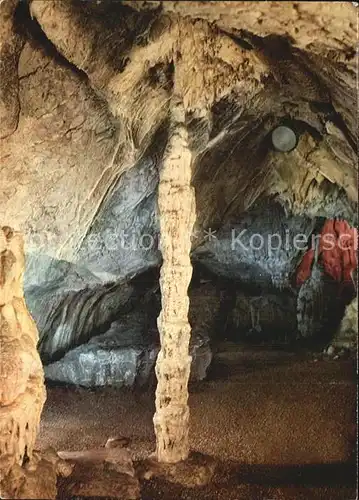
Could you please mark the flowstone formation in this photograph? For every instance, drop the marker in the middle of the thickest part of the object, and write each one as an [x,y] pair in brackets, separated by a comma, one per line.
[176,201]
[23,473]
[22,390]
[347,335]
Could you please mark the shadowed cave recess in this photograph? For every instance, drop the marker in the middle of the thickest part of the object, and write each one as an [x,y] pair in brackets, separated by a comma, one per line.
[270,101]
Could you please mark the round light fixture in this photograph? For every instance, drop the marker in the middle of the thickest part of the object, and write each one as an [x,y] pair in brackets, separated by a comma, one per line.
[284,139]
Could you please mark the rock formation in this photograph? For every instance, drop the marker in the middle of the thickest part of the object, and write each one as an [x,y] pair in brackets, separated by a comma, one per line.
[22,391]
[176,201]
[11,43]
[347,335]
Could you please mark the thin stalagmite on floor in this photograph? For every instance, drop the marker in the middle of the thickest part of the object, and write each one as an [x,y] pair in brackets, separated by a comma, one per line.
[176,201]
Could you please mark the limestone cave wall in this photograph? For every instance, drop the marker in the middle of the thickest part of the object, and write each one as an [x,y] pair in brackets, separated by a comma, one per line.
[85,89]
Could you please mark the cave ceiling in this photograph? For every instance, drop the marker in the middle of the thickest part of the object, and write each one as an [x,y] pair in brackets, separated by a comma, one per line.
[85,89]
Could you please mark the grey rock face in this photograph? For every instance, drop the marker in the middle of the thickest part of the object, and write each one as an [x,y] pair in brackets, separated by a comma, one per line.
[91,366]
[68,319]
[82,309]
[319,305]
[72,302]
[117,357]
[201,360]
[260,249]
[347,335]
[311,304]
[116,247]
[124,356]
[265,318]
[124,236]
[43,270]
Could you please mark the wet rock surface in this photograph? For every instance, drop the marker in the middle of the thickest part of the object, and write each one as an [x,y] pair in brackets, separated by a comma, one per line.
[259,249]
[124,356]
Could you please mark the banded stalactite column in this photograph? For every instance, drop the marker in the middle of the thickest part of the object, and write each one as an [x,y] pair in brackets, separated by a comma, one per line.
[176,202]
[22,389]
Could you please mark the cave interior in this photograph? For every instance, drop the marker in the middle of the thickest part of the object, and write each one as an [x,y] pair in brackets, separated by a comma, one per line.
[184,177]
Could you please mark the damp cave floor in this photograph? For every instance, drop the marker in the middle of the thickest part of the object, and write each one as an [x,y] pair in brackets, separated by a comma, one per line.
[281,425]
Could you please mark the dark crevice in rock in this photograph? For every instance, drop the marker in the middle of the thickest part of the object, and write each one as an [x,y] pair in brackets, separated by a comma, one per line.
[162,75]
[77,316]
[243,42]
[340,123]
[31,29]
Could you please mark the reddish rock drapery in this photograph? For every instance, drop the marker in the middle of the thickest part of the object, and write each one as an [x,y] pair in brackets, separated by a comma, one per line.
[337,253]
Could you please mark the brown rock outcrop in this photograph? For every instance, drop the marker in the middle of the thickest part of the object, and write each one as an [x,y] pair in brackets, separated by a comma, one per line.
[11,43]
[22,390]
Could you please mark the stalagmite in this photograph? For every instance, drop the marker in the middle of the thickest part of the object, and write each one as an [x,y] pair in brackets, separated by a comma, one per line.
[176,201]
[22,390]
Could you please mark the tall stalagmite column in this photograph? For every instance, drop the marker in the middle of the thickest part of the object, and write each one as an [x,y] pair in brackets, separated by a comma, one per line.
[22,390]
[176,201]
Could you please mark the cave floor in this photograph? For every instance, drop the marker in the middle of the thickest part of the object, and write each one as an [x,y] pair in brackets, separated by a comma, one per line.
[281,425]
